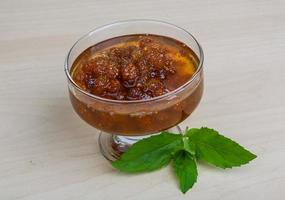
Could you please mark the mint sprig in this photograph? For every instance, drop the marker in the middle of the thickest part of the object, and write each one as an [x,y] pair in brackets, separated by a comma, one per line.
[195,144]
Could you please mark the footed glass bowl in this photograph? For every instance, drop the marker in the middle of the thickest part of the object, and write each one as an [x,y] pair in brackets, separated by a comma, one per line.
[122,122]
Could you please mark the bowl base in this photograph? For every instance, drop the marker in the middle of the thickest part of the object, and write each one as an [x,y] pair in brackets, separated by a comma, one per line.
[113,146]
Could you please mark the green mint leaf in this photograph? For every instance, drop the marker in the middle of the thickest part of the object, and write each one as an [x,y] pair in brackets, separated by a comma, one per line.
[192,131]
[149,154]
[185,169]
[218,150]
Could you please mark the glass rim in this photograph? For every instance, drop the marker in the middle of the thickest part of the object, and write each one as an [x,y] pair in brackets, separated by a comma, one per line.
[161,97]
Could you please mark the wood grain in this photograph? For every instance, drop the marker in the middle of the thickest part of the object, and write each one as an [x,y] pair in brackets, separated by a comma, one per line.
[47,152]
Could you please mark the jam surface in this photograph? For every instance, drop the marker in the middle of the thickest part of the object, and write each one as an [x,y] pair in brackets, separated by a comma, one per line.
[134,67]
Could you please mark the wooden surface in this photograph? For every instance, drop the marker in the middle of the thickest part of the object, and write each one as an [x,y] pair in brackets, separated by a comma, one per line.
[47,152]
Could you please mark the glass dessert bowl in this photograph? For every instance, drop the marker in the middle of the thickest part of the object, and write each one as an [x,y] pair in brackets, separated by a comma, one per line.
[145,86]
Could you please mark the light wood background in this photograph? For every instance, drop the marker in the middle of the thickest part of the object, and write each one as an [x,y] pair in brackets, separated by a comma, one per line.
[47,152]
